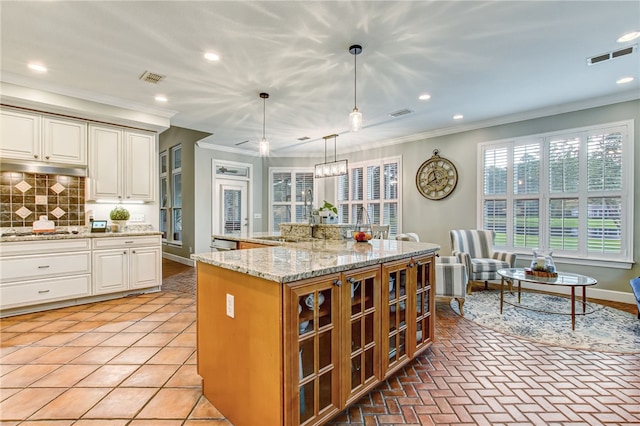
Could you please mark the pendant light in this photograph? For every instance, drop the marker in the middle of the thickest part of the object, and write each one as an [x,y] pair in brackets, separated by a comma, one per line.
[264,143]
[355,118]
[332,168]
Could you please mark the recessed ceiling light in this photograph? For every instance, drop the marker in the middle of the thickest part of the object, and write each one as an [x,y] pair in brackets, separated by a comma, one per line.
[161,98]
[629,36]
[37,67]
[458,117]
[424,97]
[210,56]
[625,80]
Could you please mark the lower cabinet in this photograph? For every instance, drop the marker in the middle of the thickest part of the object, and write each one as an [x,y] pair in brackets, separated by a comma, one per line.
[311,347]
[44,272]
[121,264]
[408,288]
[337,343]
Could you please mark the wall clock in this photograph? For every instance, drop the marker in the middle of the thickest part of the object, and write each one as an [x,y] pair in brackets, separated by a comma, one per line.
[437,177]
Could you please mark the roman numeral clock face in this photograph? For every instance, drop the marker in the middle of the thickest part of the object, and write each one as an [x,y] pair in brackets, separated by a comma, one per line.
[436,178]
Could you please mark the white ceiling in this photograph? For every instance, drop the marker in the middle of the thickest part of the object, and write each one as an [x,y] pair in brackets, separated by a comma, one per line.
[492,61]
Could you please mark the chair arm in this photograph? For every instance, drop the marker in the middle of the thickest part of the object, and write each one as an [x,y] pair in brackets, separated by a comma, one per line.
[464,258]
[447,259]
[510,258]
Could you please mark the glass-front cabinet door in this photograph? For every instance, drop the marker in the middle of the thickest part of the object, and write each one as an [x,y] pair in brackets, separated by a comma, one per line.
[395,322]
[425,304]
[312,369]
[361,337]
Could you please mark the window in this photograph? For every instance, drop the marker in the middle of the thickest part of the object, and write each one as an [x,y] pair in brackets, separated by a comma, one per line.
[570,192]
[288,189]
[370,193]
[164,195]
[171,195]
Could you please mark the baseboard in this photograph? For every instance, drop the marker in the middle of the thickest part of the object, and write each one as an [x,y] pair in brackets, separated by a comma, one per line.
[592,293]
[179,259]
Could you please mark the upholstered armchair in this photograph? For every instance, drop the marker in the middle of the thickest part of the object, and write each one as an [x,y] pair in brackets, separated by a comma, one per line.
[474,248]
[451,275]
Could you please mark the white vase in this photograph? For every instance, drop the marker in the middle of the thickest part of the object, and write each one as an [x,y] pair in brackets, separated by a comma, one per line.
[118,225]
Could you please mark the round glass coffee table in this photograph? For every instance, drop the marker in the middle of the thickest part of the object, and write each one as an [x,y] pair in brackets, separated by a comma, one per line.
[563,279]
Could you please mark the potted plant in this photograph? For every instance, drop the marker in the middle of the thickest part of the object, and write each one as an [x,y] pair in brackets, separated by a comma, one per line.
[119,216]
[329,212]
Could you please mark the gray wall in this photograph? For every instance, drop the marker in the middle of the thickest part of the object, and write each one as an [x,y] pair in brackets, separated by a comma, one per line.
[187,138]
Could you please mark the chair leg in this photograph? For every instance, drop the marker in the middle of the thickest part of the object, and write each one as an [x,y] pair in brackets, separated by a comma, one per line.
[460,305]
[469,287]
[486,285]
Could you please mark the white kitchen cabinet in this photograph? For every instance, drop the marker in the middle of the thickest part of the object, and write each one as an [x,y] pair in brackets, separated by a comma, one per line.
[33,273]
[121,264]
[36,137]
[64,141]
[20,133]
[121,164]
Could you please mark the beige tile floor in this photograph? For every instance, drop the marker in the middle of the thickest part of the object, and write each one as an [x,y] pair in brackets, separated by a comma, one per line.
[129,361]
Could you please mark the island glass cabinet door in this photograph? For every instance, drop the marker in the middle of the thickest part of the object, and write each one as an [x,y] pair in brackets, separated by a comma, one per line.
[424,303]
[396,289]
[312,373]
[361,337]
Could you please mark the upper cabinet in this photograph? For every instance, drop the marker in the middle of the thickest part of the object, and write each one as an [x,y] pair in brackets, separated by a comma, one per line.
[37,137]
[121,164]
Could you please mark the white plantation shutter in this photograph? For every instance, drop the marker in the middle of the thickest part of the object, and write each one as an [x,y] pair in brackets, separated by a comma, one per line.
[374,186]
[564,165]
[287,191]
[572,193]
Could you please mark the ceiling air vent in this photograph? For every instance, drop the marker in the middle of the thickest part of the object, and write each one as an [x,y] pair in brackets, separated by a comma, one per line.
[151,77]
[304,138]
[241,143]
[400,113]
[611,55]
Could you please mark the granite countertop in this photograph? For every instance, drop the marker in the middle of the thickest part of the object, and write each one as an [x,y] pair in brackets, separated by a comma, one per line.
[294,261]
[82,234]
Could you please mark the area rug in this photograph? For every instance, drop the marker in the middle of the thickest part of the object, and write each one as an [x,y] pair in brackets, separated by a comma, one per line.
[603,329]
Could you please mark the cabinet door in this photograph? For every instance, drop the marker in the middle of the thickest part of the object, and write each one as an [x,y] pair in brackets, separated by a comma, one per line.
[396,288]
[312,367]
[110,271]
[424,302]
[361,332]
[19,135]
[105,163]
[140,160]
[145,267]
[65,141]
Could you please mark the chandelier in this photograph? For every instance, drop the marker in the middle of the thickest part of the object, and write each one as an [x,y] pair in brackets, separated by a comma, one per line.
[333,168]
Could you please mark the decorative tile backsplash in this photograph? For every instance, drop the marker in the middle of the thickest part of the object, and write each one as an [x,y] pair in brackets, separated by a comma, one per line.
[24,197]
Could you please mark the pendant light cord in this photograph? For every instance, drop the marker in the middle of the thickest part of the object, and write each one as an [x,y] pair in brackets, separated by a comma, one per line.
[355,79]
[264,115]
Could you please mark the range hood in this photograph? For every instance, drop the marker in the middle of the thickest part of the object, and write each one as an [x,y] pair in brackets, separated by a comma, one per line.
[44,169]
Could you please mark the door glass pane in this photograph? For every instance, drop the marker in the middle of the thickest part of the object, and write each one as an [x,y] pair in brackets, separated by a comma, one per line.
[232,221]
[356,337]
[325,308]
[356,375]
[325,390]
[307,397]
[368,329]
[324,348]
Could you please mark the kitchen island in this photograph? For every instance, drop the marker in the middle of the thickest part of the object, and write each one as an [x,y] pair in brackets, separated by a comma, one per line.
[294,333]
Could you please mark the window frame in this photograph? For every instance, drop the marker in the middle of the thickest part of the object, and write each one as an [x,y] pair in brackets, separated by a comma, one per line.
[350,202]
[292,204]
[545,196]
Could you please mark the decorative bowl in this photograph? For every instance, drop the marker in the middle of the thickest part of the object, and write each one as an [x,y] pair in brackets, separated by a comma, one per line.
[361,236]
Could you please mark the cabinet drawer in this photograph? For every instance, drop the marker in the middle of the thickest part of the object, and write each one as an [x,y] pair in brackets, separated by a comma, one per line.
[125,242]
[45,247]
[43,291]
[27,267]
